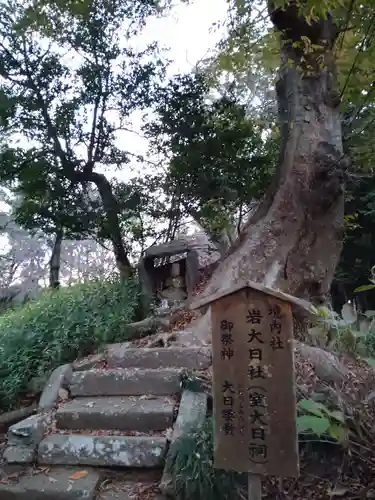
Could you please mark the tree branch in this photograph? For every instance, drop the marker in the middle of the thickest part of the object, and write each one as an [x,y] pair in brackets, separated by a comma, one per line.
[100,140]
[51,130]
[90,152]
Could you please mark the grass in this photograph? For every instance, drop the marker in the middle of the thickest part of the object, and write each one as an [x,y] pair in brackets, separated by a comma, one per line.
[59,327]
[190,463]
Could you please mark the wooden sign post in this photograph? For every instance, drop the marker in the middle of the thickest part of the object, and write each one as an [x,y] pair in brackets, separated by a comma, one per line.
[254,383]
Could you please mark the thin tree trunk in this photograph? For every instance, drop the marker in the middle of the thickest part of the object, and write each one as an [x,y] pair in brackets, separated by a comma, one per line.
[114,230]
[293,241]
[55,261]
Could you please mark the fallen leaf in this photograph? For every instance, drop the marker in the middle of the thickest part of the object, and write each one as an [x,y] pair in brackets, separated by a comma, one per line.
[14,475]
[42,470]
[79,475]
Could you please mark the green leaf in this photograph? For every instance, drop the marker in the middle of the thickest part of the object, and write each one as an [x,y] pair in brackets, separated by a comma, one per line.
[364,288]
[338,432]
[358,333]
[312,407]
[370,361]
[338,415]
[317,331]
[325,312]
[311,423]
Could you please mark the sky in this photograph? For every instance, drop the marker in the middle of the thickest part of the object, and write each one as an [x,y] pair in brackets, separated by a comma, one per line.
[187,32]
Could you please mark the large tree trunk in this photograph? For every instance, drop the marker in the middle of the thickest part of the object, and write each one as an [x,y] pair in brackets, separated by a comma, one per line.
[293,241]
[55,261]
[114,230]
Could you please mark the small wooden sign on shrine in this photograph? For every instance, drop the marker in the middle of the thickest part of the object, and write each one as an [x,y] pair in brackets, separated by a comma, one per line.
[254,382]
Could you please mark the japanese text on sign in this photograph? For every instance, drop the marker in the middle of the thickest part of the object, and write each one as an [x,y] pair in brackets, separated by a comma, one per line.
[254,398]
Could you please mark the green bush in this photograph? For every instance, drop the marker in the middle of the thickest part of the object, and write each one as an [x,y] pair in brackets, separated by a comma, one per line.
[59,327]
[190,462]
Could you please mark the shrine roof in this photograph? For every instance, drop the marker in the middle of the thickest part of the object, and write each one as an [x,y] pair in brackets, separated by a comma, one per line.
[297,303]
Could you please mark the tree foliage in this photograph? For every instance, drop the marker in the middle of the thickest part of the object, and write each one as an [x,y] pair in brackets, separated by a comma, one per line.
[357,257]
[218,162]
[250,50]
[70,79]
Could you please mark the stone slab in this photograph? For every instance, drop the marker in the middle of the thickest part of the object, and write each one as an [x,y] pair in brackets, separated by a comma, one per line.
[28,432]
[59,378]
[190,358]
[103,451]
[117,412]
[191,413]
[125,382]
[191,416]
[19,454]
[92,361]
[54,485]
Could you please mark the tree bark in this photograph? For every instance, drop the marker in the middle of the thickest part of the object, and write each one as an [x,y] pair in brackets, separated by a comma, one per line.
[55,261]
[112,213]
[147,326]
[293,241]
[12,417]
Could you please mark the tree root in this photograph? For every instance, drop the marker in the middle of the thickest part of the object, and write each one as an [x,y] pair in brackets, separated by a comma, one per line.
[147,326]
[12,417]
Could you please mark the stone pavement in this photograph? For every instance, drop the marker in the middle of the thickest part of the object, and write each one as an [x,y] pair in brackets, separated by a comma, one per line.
[119,410]
[54,484]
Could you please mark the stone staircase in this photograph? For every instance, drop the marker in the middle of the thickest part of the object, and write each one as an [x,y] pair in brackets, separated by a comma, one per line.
[120,415]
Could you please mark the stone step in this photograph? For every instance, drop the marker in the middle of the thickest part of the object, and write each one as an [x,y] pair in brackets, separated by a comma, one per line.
[189,358]
[103,451]
[121,413]
[125,382]
[55,484]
